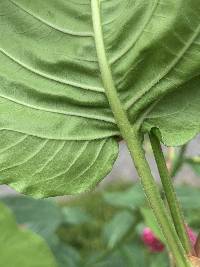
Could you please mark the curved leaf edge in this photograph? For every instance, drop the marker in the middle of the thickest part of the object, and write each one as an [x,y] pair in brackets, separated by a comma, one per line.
[45,195]
[169,139]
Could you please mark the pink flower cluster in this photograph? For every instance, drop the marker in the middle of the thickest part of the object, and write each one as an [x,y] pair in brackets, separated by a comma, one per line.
[151,241]
[155,245]
[192,235]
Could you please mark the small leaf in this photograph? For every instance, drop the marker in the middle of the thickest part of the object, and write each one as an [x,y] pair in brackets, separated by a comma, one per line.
[21,247]
[131,198]
[40,216]
[116,229]
[75,216]
[133,255]
[189,197]
[194,163]
[66,255]
[160,260]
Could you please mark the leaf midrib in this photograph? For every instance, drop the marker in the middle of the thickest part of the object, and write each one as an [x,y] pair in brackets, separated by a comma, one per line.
[116,106]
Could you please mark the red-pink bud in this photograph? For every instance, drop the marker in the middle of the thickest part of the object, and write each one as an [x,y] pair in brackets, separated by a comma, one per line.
[151,241]
[192,235]
[155,245]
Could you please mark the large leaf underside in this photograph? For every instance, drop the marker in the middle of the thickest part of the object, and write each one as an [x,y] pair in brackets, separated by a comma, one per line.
[56,128]
[44,167]
[57,131]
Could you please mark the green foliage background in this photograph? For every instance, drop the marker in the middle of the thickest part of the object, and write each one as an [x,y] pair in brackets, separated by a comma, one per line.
[102,229]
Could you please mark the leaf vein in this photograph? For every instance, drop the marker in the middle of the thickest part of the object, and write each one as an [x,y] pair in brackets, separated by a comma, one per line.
[44,75]
[78,155]
[28,158]
[167,71]
[118,57]
[65,31]
[94,160]
[74,114]
[57,151]
[14,144]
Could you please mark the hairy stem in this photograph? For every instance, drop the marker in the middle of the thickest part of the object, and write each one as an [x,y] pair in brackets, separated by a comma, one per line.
[170,194]
[134,143]
[152,193]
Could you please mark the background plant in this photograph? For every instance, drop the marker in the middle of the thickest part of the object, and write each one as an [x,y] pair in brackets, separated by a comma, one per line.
[99,229]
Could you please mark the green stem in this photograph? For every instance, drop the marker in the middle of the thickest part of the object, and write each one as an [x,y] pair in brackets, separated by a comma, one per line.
[171,197]
[134,143]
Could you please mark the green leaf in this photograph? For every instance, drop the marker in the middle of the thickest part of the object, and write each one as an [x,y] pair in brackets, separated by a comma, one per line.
[194,163]
[176,115]
[43,168]
[66,256]
[20,247]
[113,259]
[57,131]
[189,197]
[75,216]
[131,198]
[160,260]
[40,216]
[59,138]
[117,228]
[135,255]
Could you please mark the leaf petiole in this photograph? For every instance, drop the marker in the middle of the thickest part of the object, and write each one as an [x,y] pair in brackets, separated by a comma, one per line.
[170,194]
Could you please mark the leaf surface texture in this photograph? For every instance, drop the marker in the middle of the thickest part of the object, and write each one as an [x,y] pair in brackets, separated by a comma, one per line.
[57,131]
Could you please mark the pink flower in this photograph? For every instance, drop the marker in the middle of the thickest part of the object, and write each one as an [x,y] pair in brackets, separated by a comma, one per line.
[155,245]
[151,241]
[192,235]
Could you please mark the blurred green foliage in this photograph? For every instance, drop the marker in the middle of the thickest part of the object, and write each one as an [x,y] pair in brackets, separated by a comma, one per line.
[100,229]
[21,247]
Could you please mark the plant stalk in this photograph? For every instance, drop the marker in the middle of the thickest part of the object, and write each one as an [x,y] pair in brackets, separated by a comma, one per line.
[134,143]
[154,198]
[170,194]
